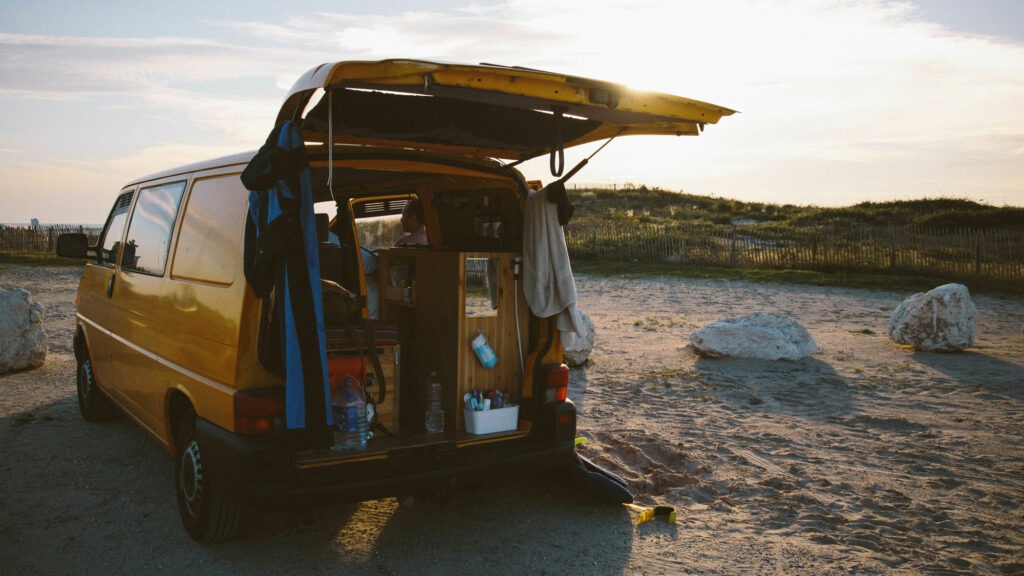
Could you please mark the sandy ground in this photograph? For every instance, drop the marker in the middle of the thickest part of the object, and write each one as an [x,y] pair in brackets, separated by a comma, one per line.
[867,458]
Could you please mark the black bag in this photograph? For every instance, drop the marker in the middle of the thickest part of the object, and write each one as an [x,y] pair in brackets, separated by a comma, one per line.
[341,306]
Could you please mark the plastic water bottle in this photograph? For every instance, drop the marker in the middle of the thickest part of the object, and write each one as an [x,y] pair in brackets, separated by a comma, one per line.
[435,407]
[349,408]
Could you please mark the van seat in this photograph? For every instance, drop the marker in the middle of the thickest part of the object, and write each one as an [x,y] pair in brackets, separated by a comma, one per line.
[330,253]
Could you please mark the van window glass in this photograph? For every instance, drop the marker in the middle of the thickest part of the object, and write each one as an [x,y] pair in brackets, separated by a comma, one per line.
[149,233]
[114,229]
[209,248]
[379,232]
[481,286]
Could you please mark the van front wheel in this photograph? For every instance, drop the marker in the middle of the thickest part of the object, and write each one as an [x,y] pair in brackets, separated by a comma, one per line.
[92,403]
[207,517]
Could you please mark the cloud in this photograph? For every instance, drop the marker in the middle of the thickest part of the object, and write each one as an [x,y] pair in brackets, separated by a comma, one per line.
[833,94]
[48,67]
[422,35]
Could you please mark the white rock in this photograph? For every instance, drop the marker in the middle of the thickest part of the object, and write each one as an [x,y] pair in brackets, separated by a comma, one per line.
[941,320]
[578,351]
[22,339]
[759,335]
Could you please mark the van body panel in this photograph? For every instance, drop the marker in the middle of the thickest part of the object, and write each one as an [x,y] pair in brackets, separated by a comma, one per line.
[182,329]
[206,290]
[266,472]
[143,302]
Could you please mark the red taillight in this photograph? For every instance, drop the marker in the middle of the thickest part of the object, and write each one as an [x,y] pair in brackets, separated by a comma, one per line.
[556,382]
[257,410]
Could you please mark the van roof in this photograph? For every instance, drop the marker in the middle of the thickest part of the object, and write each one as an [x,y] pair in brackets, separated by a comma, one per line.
[241,158]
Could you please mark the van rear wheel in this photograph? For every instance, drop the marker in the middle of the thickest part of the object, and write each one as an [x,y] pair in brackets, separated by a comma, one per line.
[207,517]
[92,403]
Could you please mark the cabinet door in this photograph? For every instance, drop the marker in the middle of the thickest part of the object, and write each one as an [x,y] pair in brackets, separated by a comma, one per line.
[454,296]
[488,306]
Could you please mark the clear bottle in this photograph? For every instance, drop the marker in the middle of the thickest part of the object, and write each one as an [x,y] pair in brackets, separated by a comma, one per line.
[435,407]
[348,404]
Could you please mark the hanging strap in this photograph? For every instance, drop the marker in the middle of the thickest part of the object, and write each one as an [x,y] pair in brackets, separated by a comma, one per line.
[371,346]
[557,157]
[369,339]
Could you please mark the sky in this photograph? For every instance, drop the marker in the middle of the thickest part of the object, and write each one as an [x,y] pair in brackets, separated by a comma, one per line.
[840,101]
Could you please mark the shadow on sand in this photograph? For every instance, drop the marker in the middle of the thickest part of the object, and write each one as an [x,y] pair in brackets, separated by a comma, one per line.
[95,494]
[808,388]
[977,369]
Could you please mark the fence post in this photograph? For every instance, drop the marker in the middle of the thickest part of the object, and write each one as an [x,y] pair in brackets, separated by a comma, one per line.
[814,247]
[682,242]
[666,249]
[732,249]
[892,247]
[977,252]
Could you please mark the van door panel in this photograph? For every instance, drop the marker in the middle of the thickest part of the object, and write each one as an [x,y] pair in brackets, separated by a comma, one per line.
[140,296]
[206,292]
[100,318]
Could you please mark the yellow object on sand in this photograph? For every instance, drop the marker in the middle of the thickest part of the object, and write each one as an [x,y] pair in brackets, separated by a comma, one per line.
[647,513]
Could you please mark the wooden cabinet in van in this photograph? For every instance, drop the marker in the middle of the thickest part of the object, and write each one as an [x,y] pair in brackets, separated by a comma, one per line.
[441,300]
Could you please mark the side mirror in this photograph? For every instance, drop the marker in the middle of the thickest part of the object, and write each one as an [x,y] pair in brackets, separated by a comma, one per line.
[74,245]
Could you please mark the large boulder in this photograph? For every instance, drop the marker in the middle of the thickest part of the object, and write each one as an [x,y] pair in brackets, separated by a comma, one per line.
[22,339]
[578,351]
[759,335]
[941,320]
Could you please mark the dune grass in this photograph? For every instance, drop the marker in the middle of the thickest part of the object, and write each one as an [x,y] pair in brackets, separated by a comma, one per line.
[864,281]
[38,259]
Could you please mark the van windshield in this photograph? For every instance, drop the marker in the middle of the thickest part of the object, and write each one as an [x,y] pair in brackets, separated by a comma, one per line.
[379,231]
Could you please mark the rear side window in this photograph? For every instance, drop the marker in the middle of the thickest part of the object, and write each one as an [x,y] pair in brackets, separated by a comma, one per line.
[115,229]
[149,233]
[209,248]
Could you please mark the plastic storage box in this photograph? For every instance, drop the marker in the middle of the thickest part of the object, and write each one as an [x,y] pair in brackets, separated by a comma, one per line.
[487,421]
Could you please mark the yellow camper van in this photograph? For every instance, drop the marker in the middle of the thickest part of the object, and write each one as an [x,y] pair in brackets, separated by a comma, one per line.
[264,317]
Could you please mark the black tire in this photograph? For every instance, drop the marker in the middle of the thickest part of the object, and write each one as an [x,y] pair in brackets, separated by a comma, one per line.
[92,402]
[207,517]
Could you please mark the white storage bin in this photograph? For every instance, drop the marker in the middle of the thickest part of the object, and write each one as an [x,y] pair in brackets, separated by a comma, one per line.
[487,421]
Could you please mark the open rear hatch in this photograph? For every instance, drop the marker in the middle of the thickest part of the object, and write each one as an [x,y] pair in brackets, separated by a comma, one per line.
[479,111]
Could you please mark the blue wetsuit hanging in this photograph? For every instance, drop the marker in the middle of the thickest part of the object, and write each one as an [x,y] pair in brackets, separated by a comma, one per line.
[285,259]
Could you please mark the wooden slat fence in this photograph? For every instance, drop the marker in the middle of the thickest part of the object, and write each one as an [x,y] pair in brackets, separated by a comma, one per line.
[995,255]
[41,238]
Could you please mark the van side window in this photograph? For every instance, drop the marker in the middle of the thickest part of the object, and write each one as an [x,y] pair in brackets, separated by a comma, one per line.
[149,233]
[209,248]
[114,229]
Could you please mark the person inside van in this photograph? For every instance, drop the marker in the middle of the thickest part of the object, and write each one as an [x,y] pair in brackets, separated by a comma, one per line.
[412,224]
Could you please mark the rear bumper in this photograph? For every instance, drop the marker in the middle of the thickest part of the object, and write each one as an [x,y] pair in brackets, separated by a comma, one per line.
[258,470]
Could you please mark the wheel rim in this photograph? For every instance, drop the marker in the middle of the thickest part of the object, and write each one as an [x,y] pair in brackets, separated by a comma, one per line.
[190,477]
[85,382]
